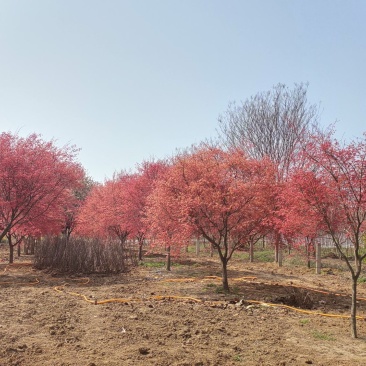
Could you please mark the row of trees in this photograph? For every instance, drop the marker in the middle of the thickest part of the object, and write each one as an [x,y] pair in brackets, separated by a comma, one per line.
[232,201]
[273,174]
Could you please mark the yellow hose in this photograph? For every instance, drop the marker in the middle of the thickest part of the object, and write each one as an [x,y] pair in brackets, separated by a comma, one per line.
[20,283]
[186,298]
[302,310]
[86,280]
[193,279]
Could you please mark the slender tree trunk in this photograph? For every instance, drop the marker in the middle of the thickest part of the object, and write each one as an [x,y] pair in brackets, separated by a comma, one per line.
[279,256]
[308,255]
[197,247]
[277,247]
[225,282]
[211,250]
[354,307]
[251,252]
[318,260]
[33,245]
[26,246]
[141,243]
[18,249]
[168,259]
[11,250]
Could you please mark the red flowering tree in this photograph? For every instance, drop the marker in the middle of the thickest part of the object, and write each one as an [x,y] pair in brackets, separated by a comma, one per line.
[163,220]
[295,219]
[35,180]
[139,188]
[221,196]
[333,186]
[105,211]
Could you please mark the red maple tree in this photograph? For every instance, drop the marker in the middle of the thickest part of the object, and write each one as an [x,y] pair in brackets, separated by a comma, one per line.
[35,179]
[332,187]
[221,196]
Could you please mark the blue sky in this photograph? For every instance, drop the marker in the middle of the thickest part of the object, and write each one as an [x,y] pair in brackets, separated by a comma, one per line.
[126,81]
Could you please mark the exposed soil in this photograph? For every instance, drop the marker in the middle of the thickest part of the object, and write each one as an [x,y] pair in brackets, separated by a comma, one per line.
[43,320]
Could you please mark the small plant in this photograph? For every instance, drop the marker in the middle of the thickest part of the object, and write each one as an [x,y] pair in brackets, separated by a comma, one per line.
[322,336]
[304,321]
[362,280]
[237,358]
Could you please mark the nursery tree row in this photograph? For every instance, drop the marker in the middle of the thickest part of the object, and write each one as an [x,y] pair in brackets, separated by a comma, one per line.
[273,174]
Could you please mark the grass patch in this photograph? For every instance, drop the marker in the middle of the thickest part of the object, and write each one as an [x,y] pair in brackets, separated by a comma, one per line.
[241,256]
[260,255]
[304,321]
[322,336]
[264,256]
[361,280]
[153,264]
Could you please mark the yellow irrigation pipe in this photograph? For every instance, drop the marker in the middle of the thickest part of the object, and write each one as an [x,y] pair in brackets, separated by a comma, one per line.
[180,280]
[60,289]
[174,297]
[85,279]
[245,278]
[302,310]
[327,292]
[212,278]
[16,265]
[193,279]
[20,283]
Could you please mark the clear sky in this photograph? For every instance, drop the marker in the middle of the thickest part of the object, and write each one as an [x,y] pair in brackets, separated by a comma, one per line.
[129,80]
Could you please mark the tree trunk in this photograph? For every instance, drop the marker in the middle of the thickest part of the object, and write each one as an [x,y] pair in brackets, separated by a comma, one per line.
[353,307]
[168,259]
[225,282]
[318,260]
[277,247]
[279,256]
[197,247]
[140,249]
[11,250]
[18,249]
[307,253]
[26,246]
[276,252]
[251,252]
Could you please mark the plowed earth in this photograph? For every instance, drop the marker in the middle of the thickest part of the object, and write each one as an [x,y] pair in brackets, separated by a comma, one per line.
[48,319]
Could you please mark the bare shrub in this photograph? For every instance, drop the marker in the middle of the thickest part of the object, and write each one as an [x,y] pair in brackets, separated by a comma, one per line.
[80,255]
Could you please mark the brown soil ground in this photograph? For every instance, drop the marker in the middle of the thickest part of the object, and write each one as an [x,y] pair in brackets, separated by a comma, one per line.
[46,319]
